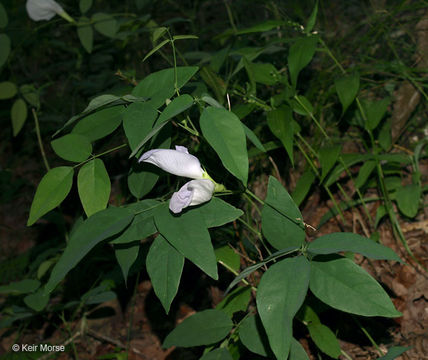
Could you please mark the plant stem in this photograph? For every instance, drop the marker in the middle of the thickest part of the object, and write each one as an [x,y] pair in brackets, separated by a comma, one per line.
[39,139]
[98,155]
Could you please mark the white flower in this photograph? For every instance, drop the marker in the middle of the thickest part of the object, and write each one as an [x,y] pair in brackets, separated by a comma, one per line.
[194,192]
[45,10]
[178,162]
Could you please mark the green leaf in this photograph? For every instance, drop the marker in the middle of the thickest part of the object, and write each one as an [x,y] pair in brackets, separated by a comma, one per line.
[189,235]
[105,24]
[280,218]
[72,147]
[52,190]
[18,114]
[374,111]
[20,287]
[302,106]
[85,5]
[347,89]
[217,212]
[328,157]
[345,286]
[158,32]
[394,352]
[385,136]
[408,198]
[126,256]
[30,94]
[203,328]
[5,48]
[280,294]
[175,107]
[93,184]
[92,231]
[156,48]
[300,55]
[3,17]
[85,33]
[184,37]
[296,351]
[262,27]
[138,121]
[236,301]
[100,124]
[335,242]
[224,132]
[164,266]
[312,19]
[217,354]
[37,301]
[264,73]
[280,122]
[324,339]
[159,86]
[303,186]
[143,224]
[228,258]
[8,89]
[253,138]
[253,336]
[365,171]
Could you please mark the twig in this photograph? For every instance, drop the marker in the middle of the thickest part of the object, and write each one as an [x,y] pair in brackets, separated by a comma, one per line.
[39,139]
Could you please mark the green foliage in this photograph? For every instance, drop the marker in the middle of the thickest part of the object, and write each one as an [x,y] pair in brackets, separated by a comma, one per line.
[203,328]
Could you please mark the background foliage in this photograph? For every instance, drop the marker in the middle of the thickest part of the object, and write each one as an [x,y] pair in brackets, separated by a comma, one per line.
[291,106]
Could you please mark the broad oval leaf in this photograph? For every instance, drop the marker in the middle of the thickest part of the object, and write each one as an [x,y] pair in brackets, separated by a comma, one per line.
[138,121]
[217,354]
[52,190]
[224,132]
[297,352]
[217,212]
[20,287]
[93,185]
[164,266]
[280,122]
[203,328]
[18,115]
[85,5]
[105,24]
[280,294]
[126,256]
[253,336]
[374,111]
[235,301]
[324,339]
[328,157]
[335,242]
[8,89]
[85,32]
[300,55]
[92,231]
[408,198]
[345,286]
[37,301]
[281,218]
[72,147]
[228,258]
[143,224]
[347,89]
[189,235]
[159,86]
[175,107]
[99,124]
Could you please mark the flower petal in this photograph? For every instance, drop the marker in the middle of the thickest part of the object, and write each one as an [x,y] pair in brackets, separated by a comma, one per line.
[194,192]
[176,162]
[43,9]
